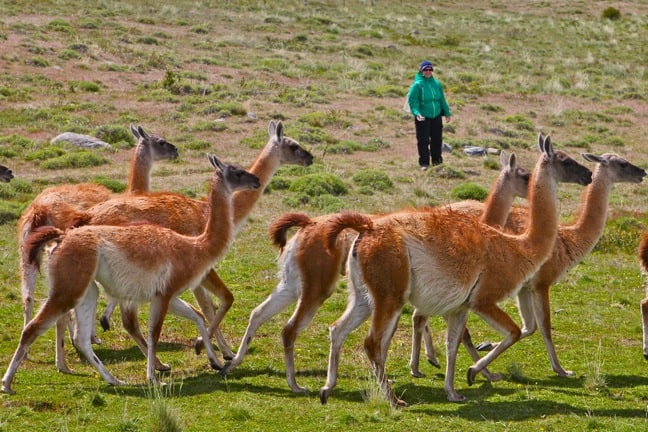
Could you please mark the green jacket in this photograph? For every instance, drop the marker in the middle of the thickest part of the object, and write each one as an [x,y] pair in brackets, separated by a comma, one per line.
[426,97]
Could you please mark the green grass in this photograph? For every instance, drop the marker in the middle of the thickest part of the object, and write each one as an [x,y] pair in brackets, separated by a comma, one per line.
[335,72]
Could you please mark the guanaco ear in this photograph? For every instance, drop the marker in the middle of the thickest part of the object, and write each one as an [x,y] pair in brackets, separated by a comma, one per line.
[134,131]
[544,144]
[591,157]
[512,162]
[503,158]
[215,162]
[142,132]
[272,128]
[279,132]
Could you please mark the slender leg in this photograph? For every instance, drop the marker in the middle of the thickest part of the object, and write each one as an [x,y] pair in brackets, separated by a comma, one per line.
[303,315]
[543,312]
[85,313]
[216,286]
[383,325]
[185,310]
[276,302]
[421,330]
[61,325]
[500,321]
[104,319]
[356,312]
[44,319]
[456,326]
[525,304]
[131,324]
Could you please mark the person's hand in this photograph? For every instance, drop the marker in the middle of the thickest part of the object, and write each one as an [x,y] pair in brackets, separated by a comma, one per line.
[420,117]
[447,119]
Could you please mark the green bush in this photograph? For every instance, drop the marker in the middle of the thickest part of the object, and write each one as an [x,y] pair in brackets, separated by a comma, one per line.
[328,203]
[115,134]
[82,159]
[114,185]
[469,191]
[611,13]
[48,152]
[279,183]
[317,184]
[372,180]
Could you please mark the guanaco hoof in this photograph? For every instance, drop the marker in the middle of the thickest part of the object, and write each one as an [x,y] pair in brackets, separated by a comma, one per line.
[105,323]
[435,363]
[198,345]
[471,376]
[215,366]
[225,369]
[485,346]
[7,389]
[324,394]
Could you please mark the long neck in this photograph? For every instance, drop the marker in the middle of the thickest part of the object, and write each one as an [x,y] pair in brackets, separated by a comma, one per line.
[543,224]
[264,167]
[141,165]
[218,231]
[498,204]
[592,211]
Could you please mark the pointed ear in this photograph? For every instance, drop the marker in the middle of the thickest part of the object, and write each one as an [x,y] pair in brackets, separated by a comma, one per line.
[548,146]
[280,131]
[134,131]
[591,157]
[540,142]
[503,158]
[512,162]
[272,128]
[142,132]
[215,162]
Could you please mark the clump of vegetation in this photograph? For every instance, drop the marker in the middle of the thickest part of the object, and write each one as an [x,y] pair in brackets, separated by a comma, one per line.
[371,180]
[316,184]
[112,184]
[620,236]
[116,135]
[448,172]
[45,153]
[60,25]
[328,203]
[611,13]
[469,191]
[86,86]
[81,159]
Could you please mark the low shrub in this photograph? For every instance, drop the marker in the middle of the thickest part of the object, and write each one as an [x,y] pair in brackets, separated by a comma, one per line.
[82,159]
[469,191]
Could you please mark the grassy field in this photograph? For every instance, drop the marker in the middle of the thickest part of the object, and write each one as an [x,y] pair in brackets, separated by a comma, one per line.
[209,76]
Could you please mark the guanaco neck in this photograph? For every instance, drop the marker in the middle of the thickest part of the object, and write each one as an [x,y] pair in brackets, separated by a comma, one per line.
[218,230]
[264,167]
[543,225]
[593,208]
[498,204]
[140,170]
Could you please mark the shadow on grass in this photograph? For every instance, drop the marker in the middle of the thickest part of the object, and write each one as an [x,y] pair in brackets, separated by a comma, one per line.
[521,410]
[111,355]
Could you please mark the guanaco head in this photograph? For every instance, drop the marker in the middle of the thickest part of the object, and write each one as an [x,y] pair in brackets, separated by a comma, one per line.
[618,169]
[158,146]
[5,174]
[290,150]
[234,177]
[566,169]
[517,176]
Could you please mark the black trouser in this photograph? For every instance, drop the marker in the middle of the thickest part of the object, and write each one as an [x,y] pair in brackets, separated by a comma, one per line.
[429,140]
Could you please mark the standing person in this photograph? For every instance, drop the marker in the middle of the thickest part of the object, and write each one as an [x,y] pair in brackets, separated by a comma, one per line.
[428,105]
